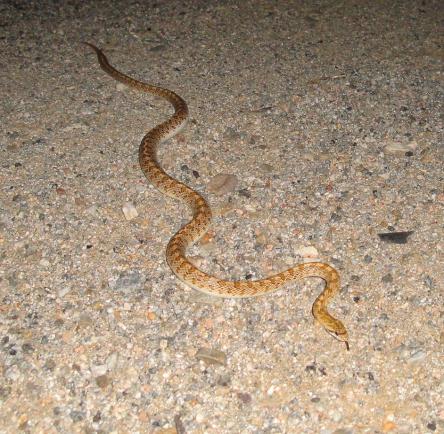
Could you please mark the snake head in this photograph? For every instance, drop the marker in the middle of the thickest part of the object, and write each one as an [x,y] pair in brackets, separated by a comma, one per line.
[339,332]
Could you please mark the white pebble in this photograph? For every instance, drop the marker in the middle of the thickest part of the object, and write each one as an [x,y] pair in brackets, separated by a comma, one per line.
[63,291]
[308,252]
[130,211]
[98,370]
[111,361]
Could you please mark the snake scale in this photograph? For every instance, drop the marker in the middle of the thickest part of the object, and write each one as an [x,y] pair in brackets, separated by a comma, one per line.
[194,229]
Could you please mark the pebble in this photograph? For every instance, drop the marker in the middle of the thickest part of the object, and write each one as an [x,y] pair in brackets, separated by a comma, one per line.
[103,381]
[395,237]
[64,291]
[201,297]
[84,321]
[417,356]
[212,356]
[98,370]
[128,281]
[77,416]
[111,361]
[400,148]
[223,184]
[307,252]
[129,211]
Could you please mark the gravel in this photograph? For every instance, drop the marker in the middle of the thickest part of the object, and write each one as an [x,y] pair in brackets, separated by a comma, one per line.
[315,126]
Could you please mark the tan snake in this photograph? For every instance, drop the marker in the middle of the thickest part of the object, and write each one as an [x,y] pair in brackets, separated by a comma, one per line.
[194,229]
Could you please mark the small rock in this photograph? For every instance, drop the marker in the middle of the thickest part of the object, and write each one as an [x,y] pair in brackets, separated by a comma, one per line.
[27,348]
[368,259]
[203,298]
[200,417]
[245,398]
[399,149]
[395,237]
[336,416]
[129,211]
[121,87]
[49,365]
[111,361]
[62,292]
[417,356]
[77,416]
[431,426]
[222,184]
[127,281]
[388,278]
[103,381]
[84,321]
[429,282]
[267,168]
[180,427]
[212,357]
[308,252]
[98,370]
[224,380]
[388,426]
[5,391]
[12,373]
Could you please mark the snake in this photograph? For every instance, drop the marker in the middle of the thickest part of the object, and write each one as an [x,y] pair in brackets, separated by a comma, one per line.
[192,231]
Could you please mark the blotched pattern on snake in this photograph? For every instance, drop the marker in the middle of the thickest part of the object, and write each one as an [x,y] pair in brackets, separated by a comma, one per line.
[193,230]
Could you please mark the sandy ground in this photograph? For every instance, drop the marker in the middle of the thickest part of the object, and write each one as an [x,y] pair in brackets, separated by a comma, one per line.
[315,126]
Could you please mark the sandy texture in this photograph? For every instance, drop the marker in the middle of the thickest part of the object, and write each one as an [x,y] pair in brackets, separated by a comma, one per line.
[315,126]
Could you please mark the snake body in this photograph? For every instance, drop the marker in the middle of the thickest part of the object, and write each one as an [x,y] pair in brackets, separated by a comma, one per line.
[201,220]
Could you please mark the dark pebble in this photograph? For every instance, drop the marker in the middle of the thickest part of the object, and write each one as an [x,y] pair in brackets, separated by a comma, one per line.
[431,426]
[180,428]
[395,237]
[224,380]
[102,381]
[77,415]
[27,348]
[5,391]
[428,281]
[388,278]
[245,398]
[49,365]
[244,192]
